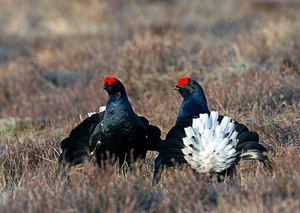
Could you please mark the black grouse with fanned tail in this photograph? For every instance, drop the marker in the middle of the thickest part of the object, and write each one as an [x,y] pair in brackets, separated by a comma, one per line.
[208,142]
[115,134]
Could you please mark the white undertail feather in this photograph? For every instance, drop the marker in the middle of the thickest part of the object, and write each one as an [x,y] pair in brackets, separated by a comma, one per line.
[210,145]
[101,109]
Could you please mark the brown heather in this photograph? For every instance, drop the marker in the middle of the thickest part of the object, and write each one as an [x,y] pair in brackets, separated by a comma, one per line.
[245,54]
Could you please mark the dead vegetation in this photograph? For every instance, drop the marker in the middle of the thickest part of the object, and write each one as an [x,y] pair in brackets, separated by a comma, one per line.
[244,54]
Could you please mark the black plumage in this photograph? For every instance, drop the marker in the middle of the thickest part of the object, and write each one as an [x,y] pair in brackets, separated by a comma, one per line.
[193,104]
[76,146]
[117,133]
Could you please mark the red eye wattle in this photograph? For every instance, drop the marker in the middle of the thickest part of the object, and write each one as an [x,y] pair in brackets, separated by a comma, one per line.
[105,80]
[183,81]
[109,80]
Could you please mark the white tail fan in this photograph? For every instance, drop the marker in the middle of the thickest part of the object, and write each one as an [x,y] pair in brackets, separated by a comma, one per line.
[210,145]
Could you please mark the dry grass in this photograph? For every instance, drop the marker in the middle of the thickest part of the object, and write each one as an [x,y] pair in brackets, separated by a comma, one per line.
[246,55]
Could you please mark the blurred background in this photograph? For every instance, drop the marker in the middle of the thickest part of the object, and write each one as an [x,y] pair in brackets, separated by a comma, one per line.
[54,55]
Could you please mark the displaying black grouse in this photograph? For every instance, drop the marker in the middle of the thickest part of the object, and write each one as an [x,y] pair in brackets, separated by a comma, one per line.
[206,141]
[116,134]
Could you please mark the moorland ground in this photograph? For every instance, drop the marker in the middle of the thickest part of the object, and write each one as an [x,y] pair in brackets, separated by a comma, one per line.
[245,54]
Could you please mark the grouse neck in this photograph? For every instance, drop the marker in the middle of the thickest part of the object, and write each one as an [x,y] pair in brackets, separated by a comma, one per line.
[118,104]
[119,118]
[192,106]
[117,95]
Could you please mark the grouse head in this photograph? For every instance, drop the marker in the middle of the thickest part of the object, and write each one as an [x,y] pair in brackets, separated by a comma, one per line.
[113,86]
[186,86]
[194,100]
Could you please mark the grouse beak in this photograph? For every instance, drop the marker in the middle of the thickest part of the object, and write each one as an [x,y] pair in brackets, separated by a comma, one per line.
[176,87]
[104,87]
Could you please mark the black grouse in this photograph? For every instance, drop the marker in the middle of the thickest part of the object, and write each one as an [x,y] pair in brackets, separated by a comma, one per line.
[115,134]
[208,142]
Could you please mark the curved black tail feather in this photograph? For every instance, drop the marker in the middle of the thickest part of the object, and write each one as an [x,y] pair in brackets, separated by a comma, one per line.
[76,146]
